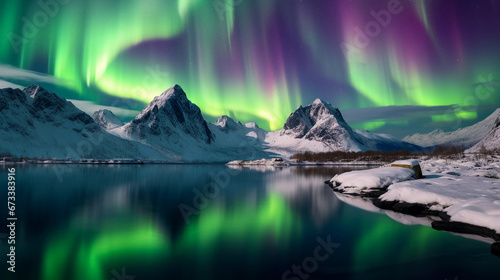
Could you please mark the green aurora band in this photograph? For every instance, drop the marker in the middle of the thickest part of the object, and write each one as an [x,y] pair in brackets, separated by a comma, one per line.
[255,60]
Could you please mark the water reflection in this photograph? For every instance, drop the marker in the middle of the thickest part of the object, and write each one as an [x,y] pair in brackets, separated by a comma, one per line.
[102,219]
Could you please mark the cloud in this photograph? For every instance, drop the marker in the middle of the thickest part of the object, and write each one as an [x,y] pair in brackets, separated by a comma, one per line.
[90,107]
[5,84]
[10,72]
[394,113]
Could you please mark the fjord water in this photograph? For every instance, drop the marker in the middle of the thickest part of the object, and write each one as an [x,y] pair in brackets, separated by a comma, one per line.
[213,222]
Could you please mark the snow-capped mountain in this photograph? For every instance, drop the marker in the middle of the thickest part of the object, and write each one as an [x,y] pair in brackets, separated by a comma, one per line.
[106,119]
[465,137]
[175,127]
[227,124]
[237,140]
[317,127]
[231,129]
[320,127]
[323,122]
[492,140]
[170,117]
[384,142]
[36,123]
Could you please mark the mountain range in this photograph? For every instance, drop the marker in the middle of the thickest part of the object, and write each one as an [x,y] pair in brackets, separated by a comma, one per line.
[470,137]
[36,123]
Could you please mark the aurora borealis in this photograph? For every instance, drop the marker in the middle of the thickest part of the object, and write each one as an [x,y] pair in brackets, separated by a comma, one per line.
[257,60]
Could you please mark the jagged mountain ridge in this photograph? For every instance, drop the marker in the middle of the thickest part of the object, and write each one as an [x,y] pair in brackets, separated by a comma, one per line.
[321,121]
[465,137]
[106,119]
[492,140]
[36,123]
[171,128]
[173,124]
[169,116]
[320,127]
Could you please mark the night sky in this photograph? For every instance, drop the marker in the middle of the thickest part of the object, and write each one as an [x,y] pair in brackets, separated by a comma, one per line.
[390,66]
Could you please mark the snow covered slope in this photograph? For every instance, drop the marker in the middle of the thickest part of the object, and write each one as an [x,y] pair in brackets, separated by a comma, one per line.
[168,118]
[320,127]
[36,123]
[229,131]
[491,141]
[466,137]
[234,140]
[106,119]
[174,126]
[317,127]
[385,142]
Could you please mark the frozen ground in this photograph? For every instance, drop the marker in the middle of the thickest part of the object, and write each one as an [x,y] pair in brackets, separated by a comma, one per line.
[468,189]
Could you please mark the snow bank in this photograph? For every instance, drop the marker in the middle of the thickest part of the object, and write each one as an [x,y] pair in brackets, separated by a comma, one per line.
[472,200]
[465,189]
[378,178]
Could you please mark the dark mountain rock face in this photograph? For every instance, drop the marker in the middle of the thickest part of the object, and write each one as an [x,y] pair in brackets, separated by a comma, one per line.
[170,115]
[321,121]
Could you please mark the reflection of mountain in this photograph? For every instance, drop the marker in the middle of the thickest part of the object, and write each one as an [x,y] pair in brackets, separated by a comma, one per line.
[133,220]
[304,188]
[128,216]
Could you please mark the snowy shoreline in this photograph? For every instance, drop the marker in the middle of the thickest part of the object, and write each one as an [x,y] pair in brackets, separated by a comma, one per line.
[284,162]
[463,195]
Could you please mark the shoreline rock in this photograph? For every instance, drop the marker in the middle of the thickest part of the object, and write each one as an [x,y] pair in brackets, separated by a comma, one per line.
[495,249]
[422,210]
[466,228]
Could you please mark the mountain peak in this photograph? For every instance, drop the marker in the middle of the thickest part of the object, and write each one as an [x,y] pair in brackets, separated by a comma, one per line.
[174,92]
[317,101]
[252,125]
[171,114]
[322,122]
[106,119]
[226,123]
[35,91]
[32,90]
[42,99]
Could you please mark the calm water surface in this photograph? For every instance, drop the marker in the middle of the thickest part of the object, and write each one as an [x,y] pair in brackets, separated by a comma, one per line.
[95,222]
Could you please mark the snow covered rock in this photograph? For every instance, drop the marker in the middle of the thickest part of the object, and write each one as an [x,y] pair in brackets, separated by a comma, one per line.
[364,181]
[472,200]
[106,119]
[466,137]
[411,164]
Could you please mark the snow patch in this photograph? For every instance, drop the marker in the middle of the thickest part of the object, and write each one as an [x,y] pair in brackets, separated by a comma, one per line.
[378,178]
